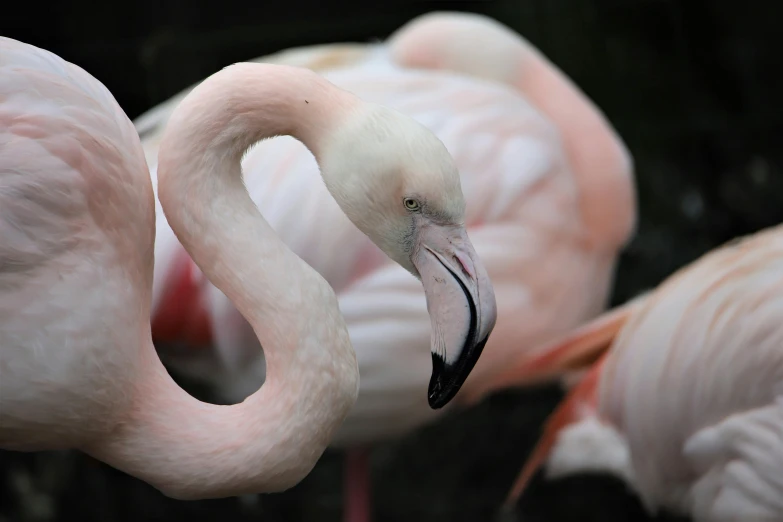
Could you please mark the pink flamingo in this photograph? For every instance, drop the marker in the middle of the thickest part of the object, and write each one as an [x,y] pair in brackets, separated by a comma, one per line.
[685,402]
[77,221]
[550,198]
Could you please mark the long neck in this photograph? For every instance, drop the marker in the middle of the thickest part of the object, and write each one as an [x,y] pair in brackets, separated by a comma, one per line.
[273,439]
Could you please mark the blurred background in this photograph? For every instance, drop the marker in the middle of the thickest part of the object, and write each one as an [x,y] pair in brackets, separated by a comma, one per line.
[692,87]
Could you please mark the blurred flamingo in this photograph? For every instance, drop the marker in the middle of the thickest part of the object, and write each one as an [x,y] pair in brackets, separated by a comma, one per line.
[550,198]
[77,220]
[685,402]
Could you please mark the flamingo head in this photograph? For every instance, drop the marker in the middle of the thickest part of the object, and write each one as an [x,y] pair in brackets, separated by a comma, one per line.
[398,184]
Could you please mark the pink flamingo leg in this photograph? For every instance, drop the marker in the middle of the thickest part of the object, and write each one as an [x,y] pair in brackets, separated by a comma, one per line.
[357,485]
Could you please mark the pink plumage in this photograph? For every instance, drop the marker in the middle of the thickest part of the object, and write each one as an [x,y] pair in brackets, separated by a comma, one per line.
[687,402]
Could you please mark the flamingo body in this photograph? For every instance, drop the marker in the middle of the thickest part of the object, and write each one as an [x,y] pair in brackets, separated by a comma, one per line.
[69,184]
[695,384]
[687,403]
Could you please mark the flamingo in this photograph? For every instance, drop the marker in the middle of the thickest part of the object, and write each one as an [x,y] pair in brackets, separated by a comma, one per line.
[77,221]
[685,401]
[550,197]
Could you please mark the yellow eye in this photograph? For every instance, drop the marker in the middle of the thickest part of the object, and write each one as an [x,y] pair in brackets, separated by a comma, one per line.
[411,204]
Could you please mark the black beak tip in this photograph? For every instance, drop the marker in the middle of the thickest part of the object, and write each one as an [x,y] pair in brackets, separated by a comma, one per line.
[440,392]
[447,379]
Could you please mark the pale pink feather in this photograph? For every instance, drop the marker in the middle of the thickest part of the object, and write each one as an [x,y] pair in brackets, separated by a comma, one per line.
[687,403]
[695,384]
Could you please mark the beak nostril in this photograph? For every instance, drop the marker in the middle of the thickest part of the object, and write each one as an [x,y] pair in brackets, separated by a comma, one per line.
[459,262]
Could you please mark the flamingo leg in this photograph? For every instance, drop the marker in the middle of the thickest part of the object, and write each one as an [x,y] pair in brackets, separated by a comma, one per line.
[357,486]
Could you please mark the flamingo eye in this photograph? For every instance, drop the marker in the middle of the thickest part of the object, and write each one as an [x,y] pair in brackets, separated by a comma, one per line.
[411,204]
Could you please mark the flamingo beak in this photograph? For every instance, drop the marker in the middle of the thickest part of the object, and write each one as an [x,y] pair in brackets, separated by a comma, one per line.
[461,304]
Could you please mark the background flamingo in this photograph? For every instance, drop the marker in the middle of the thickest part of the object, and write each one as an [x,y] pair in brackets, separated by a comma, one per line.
[76,268]
[686,401]
[550,203]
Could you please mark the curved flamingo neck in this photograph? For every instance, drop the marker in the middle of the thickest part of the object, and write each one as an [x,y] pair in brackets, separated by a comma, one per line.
[200,180]
[272,440]
[193,450]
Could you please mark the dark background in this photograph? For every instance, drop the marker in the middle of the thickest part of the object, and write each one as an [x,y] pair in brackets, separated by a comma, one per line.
[692,86]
